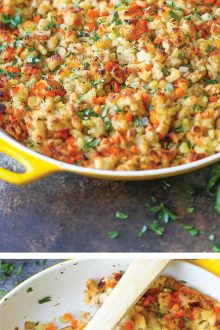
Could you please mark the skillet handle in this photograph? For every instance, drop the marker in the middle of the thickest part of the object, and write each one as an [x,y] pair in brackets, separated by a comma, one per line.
[35,169]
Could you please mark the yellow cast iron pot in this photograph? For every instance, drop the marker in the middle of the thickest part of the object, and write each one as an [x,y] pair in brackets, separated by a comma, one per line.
[38,166]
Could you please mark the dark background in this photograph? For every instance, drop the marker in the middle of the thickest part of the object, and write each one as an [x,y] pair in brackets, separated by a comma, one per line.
[23,269]
[69,213]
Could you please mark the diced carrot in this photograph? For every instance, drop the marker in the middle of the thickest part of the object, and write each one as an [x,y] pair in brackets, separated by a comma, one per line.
[148,300]
[74,324]
[209,2]
[113,284]
[145,97]
[142,4]
[92,13]
[158,40]
[134,150]
[36,19]
[180,314]
[115,138]
[148,67]
[77,22]
[15,89]
[50,326]
[108,66]
[179,92]
[98,100]
[8,38]
[70,140]
[8,53]
[133,7]
[154,118]
[97,109]
[68,316]
[129,326]
[12,69]
[217,43]
[116,87]
[34,71]
[59,20]
[213,98]
[138,34]
[64,134]
[16,32]
[105,13]
[128,117]
[90,26]
[142,25]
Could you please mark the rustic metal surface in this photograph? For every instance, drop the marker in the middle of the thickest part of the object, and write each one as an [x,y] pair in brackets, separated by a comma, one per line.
[68,213]
[25,268]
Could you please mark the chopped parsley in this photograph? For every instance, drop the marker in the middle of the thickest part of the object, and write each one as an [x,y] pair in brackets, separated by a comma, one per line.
[115,19]
[13,21]
[90,143]
[174,15]
[214,186]
[19,270]
[163,213]
[210,81]
[156,228]
[190,210]
[7,268]
[3,46]
[143,231]
[32,59]
[9,75]
[170,3]
[113,234]
[44,300]
[181,55]
[121,215]
[85,114]
[191,230]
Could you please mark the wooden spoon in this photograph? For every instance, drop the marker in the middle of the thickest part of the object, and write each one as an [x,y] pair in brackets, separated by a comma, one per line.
[134,283]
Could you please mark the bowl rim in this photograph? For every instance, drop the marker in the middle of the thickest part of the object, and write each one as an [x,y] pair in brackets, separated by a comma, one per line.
[161,172]
[70,262]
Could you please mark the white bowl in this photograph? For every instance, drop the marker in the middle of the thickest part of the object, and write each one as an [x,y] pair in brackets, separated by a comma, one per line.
[65,284]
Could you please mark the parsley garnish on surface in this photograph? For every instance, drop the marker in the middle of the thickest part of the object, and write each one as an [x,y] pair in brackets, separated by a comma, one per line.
[113,234]
[190,210]
[191,230]
[156,228]
[163,213]
[212,237]
[7,268]
[214,186]
[143,231]
[20,270]
[121,215]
